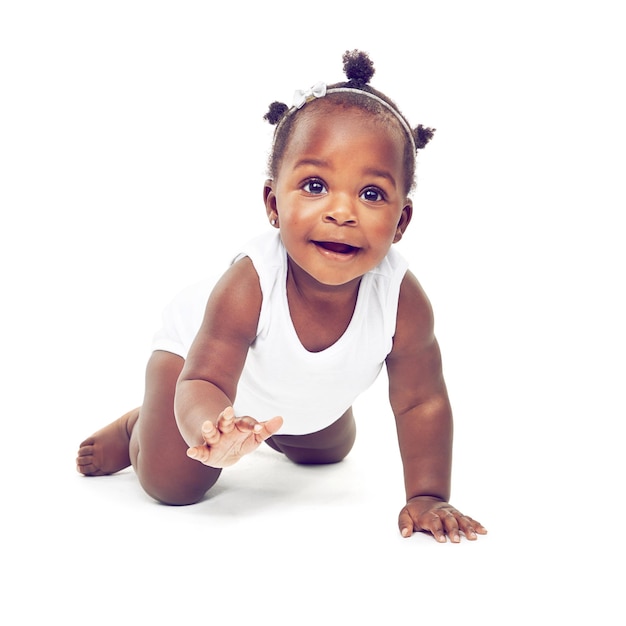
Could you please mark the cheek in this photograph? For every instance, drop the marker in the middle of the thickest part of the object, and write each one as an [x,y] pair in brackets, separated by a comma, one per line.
[293,223]
[383,227]
[294,213]
[290,220]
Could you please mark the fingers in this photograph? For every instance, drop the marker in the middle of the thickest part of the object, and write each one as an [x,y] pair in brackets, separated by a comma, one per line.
[230,433]
[211,433]
[270,427]
[455,523]
[261,430]
[199,453]
[438,524]
[471,528]
[441,522]
[405,523]
[449,522]
[450,527]
[226,420]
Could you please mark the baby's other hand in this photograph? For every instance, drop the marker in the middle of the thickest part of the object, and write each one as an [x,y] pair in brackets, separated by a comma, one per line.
[231,438]
[429,514]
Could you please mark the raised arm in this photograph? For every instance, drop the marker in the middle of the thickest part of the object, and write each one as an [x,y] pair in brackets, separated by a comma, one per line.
[420,403]
[208,382]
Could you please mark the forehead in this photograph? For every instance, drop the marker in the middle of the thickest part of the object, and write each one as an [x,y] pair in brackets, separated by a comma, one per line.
[326,126]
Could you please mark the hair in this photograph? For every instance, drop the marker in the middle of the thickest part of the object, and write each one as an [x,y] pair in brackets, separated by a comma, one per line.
[359,70]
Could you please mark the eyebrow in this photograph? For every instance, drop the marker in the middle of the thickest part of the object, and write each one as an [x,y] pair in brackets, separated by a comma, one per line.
[370,171]
[311,161]
[381,174]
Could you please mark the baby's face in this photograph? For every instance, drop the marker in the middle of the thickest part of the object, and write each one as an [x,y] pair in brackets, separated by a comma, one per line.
[339,193]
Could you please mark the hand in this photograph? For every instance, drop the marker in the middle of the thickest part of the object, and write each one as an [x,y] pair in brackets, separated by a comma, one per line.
[231,438]
[429,514]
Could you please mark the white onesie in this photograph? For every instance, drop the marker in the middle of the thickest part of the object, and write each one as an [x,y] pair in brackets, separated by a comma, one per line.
[310,390]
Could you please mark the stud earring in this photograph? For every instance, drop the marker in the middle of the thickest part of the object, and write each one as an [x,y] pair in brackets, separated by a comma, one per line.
[273,222]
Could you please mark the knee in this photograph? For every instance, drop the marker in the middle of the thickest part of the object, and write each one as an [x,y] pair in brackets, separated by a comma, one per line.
[305,455]
[311,456]
[179,498]
[179,493]
[330,445]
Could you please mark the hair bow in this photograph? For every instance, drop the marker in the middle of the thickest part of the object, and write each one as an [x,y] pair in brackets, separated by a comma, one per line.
[300,98]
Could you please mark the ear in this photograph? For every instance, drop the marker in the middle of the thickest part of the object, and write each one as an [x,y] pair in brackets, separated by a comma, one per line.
[269,199]
[405,218]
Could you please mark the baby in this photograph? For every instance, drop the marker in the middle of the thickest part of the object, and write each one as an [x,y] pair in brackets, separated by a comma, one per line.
[302,322]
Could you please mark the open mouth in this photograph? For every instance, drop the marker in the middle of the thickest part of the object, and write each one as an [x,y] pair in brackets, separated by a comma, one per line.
[336,247]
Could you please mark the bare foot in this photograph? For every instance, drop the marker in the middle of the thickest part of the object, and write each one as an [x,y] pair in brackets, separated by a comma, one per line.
[106,451]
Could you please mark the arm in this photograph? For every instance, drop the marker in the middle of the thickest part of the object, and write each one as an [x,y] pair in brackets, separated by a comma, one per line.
[207,385]
[420,403]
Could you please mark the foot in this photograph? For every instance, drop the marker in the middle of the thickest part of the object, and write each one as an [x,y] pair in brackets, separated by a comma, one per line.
[106,451]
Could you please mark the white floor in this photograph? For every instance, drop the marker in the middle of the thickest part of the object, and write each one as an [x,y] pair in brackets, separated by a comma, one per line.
[124,178]
[311,545]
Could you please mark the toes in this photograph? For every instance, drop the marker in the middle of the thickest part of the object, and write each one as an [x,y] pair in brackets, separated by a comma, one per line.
[85,450]
[85,466]
[84,461]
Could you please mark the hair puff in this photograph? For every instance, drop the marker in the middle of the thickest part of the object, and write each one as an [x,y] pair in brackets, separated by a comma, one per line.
[276,112]
[358,67]
[422,135]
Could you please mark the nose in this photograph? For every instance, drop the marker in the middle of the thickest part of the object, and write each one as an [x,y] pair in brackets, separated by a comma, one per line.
[342,212]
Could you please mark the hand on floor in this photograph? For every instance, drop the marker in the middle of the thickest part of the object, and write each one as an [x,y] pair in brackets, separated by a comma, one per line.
[431,515]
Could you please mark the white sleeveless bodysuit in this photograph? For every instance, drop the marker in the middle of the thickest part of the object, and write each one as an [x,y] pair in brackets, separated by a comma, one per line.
[310,390]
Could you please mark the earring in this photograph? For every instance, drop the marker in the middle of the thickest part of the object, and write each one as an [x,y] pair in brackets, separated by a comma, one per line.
[273,222]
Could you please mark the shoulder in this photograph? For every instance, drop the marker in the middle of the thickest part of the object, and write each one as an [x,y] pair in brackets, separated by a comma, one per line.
[235,302]
[415,320]
[219,350]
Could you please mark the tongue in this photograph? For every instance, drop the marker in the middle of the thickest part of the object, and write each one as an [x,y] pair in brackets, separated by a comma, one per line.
[341,248]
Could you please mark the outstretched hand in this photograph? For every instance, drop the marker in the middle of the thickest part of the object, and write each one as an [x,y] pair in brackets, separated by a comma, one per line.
[428,514]
[231,438]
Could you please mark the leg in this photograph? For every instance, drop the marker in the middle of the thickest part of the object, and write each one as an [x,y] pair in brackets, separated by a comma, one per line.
[329,445]
[155,446]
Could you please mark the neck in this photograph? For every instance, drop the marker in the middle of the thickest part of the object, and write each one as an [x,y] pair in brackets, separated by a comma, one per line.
[311,290]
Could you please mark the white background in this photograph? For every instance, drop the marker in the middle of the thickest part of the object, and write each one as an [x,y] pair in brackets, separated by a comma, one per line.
[132,158]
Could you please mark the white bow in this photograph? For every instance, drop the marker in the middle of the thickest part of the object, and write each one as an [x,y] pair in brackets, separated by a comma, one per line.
[300,98]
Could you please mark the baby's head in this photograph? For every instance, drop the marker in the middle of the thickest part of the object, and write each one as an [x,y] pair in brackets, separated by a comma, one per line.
[354,93]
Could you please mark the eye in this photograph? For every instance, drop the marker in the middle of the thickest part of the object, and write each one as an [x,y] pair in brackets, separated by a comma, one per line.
[372,194]
[314,186]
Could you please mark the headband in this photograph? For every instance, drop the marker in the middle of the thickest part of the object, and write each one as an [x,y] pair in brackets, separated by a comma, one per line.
[319,90]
